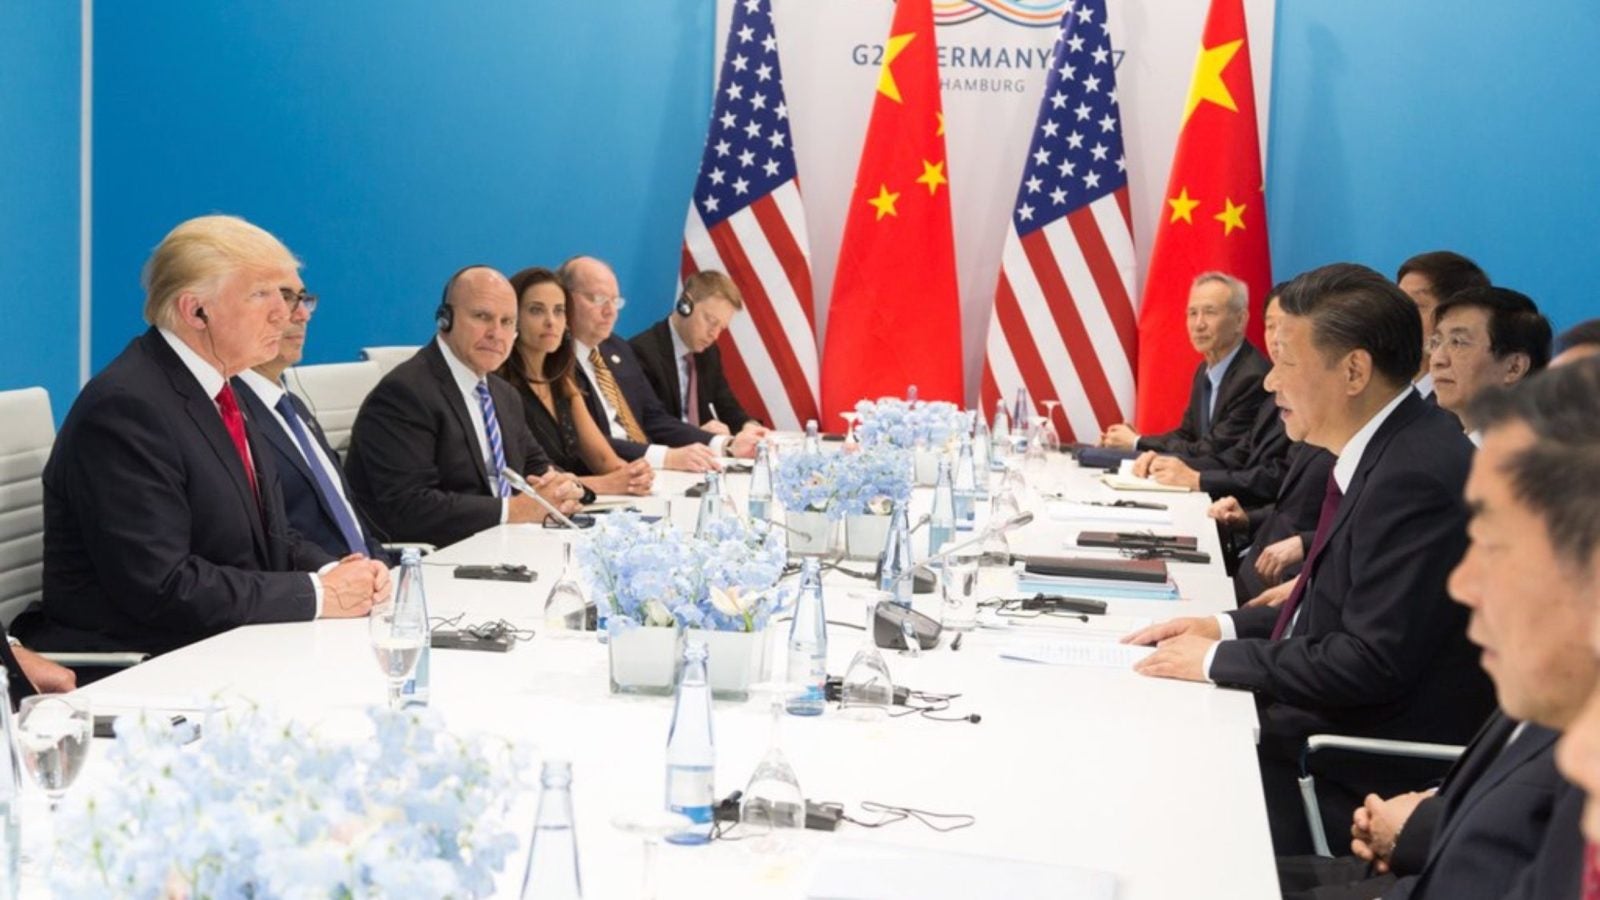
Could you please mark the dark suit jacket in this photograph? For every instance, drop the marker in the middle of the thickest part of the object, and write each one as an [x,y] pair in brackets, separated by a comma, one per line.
[1495,811]
[1239,396]
[654,349]
[1295,511]
[152,539]
[1379,648]
[1251,470]
[659,425]
[308,512]
[415,463]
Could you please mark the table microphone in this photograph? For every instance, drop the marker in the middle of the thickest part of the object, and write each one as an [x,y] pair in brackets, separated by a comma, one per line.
[518,482]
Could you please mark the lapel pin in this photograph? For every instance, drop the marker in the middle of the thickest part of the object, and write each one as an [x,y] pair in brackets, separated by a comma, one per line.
[615,359]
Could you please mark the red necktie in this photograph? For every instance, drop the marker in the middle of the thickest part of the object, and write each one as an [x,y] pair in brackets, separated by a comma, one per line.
[1330,508]
[234,422]
[693,412]
[1591,873]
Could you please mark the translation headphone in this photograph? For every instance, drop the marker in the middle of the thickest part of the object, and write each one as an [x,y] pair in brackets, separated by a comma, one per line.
[685,306]
[445,315]
[200,313]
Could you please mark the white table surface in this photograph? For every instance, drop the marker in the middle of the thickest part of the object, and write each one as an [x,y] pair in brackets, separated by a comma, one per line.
[1152,780]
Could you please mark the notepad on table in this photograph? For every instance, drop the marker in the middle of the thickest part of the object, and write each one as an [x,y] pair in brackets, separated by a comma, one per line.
[1068,511]
[1071,652]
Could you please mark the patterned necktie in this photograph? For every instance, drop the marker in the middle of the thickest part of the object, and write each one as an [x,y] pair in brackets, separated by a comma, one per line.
[693,403]
[233,420]
[343,516]
[1591,872]
[491,429]
[607,383]
[1330,508]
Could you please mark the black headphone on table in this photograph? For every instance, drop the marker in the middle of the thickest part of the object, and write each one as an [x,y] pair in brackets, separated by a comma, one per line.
[445,315]
[685,306]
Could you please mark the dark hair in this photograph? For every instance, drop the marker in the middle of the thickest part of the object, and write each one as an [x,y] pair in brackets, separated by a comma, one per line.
[558,363]
[1515,325]
[1579,335]
[1352,307]
[1277,290]
[1559,476]
[1446,271]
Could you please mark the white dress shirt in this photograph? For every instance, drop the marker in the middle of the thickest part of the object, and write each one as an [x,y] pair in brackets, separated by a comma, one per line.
[1344,470]
[1424,385]
[467,382]
[211,381]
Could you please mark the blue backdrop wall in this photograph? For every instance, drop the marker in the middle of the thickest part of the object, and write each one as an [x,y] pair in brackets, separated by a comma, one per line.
[1471,125]
[39,67]
[391,142]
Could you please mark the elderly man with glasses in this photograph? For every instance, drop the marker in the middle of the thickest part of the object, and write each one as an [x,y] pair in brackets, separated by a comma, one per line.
[615,387]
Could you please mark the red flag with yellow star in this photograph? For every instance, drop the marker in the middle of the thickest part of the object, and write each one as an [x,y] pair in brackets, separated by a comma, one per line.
[1214,216]
[895,317]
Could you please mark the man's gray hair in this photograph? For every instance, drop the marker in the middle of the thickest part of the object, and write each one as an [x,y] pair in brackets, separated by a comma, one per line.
[1238,294]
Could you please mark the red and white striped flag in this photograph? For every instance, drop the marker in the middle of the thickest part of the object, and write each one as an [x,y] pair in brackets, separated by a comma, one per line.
[1064,323]
[746,219]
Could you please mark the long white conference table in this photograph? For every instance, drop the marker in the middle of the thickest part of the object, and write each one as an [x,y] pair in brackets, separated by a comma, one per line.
[1102,769]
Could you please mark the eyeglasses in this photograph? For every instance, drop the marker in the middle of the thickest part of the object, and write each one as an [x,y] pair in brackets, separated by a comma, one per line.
[296,300]
[599,300]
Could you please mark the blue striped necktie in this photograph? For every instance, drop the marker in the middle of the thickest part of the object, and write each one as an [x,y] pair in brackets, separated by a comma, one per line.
[491,428]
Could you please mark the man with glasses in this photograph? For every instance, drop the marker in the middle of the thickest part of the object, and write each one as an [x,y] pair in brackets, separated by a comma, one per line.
[315,494]
[164,522]
[1484,336]
[615,387]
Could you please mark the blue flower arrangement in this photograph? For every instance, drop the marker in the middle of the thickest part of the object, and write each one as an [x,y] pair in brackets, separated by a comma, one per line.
[905,424]
[872,481]
[652,575]
[807,482]
[266,807]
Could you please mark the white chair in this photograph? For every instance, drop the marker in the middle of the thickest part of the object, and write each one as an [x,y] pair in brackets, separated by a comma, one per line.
[24,446]
[1439,753]
[334,392]
[388,357]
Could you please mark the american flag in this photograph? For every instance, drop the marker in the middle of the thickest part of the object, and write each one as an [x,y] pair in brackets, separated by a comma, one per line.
[747,220]
[1064,322]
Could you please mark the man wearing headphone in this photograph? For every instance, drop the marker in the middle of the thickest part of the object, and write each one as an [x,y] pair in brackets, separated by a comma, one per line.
[164,520]
[680,357]
[431,440]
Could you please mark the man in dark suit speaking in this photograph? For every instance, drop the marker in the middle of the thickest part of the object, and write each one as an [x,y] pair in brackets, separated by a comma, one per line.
[1368,643]
[430,441]
[315,493]
[681,360]
[1227,384]
[163,518]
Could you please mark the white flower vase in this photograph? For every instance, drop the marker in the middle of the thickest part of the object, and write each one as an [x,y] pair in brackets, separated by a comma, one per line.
[810,533]
[644,659]
[927,465]
[865,535]
[734,661]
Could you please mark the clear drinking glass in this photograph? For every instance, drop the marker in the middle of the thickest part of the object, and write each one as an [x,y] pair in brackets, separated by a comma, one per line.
[850,418]
[566,607]
[397,632]
[867,690]
[652,825]
[53,733]
[773,806]
[1051,436]
[959,580]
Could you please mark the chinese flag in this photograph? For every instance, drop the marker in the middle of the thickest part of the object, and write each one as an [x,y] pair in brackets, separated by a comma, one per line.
[1214,216]
[895,318]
